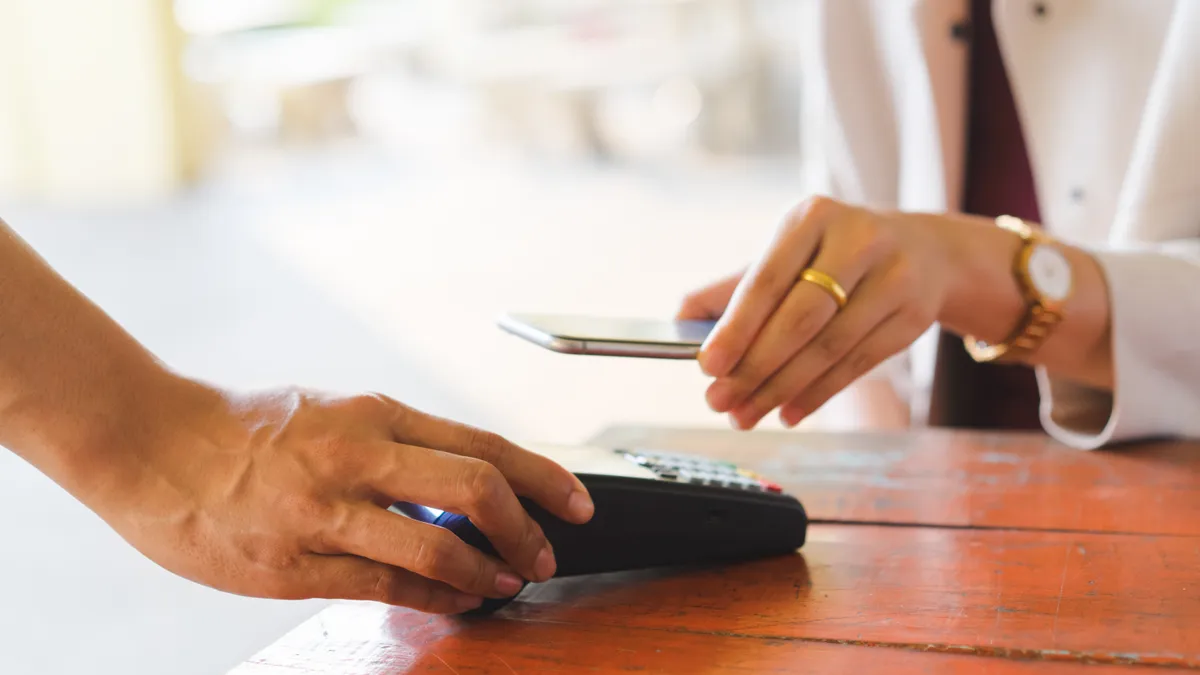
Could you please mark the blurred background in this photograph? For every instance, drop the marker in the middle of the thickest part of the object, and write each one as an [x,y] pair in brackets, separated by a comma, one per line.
[345,194]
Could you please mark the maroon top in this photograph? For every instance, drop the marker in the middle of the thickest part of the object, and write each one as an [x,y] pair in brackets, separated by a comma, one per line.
[998,180]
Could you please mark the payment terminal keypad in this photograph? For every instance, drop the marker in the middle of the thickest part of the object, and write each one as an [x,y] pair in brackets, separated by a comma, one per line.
[699,471]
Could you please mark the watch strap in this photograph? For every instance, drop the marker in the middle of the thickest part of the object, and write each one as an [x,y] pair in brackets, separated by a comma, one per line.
[1034,329]
[1038,321]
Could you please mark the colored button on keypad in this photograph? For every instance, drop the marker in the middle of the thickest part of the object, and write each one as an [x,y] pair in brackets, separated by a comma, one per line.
[700,471]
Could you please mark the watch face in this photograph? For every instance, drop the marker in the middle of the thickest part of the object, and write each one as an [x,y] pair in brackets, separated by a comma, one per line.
[1050,272]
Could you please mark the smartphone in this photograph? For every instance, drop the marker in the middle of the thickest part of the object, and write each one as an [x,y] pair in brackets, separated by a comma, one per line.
[610,336]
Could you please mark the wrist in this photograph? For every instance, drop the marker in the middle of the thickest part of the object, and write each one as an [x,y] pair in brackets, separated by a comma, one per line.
[984,299]
[98,451]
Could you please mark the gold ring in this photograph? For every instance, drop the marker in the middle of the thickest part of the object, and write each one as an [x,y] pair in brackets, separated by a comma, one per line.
[826,282]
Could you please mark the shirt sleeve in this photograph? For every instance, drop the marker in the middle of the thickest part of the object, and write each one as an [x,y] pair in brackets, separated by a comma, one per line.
[1154,299]
[1152,267]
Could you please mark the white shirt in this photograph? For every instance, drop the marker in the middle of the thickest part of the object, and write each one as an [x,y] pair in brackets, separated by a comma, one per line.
[1108,92]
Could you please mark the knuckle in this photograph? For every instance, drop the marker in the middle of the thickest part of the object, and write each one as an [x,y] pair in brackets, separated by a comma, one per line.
[804,324]
[442,557]
[871,238]
[536,533]
[433,556]
[422,598]
[400,415]
[381,586]
[862,361]
[919,318]
[912,320]
[488,446]
[814,206]
[902,276]
[749,374]
[483,577]
[388,586]
[692,301]
[695,305]
[331,456]
[485,487]
[336,524]
[369,406]
[830,343]
[296,400]
[303,508]
[274,560]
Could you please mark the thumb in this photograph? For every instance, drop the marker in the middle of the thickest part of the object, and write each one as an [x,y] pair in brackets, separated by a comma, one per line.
[709,302]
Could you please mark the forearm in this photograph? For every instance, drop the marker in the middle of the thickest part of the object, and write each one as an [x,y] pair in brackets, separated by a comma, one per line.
[985,301]
[73,383]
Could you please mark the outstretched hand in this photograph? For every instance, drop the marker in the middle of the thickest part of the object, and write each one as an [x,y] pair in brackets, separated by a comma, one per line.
[784,343]
[284,494]
[280,494]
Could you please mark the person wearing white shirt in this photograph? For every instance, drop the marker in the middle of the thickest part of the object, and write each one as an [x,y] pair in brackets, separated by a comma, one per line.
[1011,188]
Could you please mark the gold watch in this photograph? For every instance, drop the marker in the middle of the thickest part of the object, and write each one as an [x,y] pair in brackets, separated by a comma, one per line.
[1044,276]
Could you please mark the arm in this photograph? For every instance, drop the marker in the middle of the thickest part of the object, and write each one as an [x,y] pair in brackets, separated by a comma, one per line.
[275,494]
[1123,364]
[984,300]
[1152,352]
[786,344]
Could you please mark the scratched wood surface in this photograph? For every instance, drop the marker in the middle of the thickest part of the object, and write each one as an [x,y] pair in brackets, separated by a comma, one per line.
[1082,597]
[985,594]
[358,639]
[951,478]
[957,552]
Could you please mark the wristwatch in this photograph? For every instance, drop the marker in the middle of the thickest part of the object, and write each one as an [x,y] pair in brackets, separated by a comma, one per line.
[1044,276]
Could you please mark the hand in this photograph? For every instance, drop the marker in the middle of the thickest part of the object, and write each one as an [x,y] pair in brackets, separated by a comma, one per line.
[284,494]
[784,343]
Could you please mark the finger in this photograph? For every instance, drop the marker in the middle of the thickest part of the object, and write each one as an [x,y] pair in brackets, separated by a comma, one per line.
[874,301]
[471,487]
[763,288]
[803,314]
[709,303]
[354,578]
[428,550]
[886,340]
[530,474]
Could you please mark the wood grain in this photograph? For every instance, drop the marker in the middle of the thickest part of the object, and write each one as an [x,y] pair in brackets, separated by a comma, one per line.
[960,479]
[1082,597]
[362,639]
[945,552]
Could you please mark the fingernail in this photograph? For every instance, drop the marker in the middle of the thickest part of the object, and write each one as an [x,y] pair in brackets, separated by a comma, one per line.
[508,584]
[545,566]
[792,418]
[742,423]
[580,506]
[466,603]
[719,395]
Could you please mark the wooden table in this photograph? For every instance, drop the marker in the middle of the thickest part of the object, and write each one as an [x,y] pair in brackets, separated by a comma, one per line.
[930,552]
